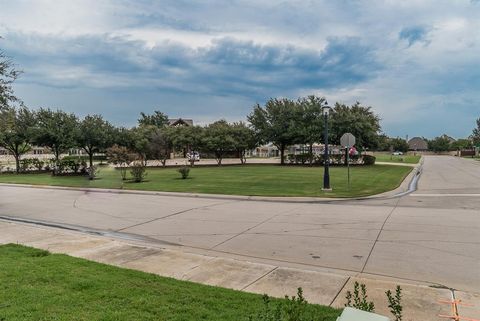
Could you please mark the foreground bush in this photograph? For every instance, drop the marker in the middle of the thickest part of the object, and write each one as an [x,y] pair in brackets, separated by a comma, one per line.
[138,171]
[184,171]
[369,159]
[290,309]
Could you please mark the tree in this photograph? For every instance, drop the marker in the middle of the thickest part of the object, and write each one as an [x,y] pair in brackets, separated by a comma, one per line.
[8,74]
[157,119]
[16,125]
[56,130]
[94,135]
[276,123]
[121,157]
[439,144]
[398,144]
[359,120]
[311,122]
[243,139]
[476,134]
[461,144]
[218,139]
[138,140]
[186,138]
[160,145]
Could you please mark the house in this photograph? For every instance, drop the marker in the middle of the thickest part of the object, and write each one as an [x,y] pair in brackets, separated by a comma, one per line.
[180,122]
[417,144]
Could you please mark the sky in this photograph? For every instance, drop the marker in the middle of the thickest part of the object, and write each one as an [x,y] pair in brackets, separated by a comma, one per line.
[416,62]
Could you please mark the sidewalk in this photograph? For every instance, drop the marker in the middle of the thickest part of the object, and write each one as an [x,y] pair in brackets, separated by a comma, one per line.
[275,279]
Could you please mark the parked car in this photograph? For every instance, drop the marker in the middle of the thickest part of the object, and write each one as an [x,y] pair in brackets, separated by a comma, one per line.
[397,153]
[195,156]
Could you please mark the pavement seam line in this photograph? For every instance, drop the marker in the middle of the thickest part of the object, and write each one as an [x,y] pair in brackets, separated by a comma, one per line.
[250,228]
[340,291]
[261,277]
[378,235]
[174,214]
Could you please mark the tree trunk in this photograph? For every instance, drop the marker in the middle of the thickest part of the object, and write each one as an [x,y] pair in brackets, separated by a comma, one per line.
[17,162]
[310,150]
[90,157]
[282,154]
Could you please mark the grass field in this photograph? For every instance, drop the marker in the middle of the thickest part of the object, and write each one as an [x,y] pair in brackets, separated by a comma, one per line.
[407,159]
[36,285]
[262,180]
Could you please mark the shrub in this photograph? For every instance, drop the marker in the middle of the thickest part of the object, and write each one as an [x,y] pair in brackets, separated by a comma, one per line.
[395,303]
[92,172]
[299,158]
[359,298]
[184,171]
[38,164]
[138,171]
[369,160]
[289,309]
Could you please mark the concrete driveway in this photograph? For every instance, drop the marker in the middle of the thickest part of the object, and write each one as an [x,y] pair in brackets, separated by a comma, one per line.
[431,236]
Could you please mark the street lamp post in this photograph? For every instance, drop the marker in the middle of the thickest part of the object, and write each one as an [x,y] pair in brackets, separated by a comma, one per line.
[326,175]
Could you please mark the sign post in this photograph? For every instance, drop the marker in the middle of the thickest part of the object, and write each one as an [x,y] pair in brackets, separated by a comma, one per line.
[347,140]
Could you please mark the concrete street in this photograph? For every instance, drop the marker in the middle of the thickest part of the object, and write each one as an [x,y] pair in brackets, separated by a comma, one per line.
[428,237]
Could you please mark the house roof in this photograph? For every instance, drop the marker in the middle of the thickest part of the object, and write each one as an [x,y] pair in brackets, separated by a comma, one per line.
[180,122]
[417,143]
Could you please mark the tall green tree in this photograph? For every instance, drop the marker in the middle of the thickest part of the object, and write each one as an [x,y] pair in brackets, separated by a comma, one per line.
[218,139]
[398,144]
[476,133]
[243,139]
[94,135]
[311,122]
[186,138]
[359,120]
[157,119]
[439,144]
[276,123]
[8,74]
[461,143]
[16,127]
[138,140]
[160,144]
[56,130]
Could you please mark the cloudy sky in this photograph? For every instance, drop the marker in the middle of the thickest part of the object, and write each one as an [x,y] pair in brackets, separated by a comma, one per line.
[416,62]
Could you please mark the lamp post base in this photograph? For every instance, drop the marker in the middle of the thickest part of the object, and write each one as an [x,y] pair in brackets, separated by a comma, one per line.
[326,189]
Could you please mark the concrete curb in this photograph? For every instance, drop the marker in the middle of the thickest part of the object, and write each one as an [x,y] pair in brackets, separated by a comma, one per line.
[405,187]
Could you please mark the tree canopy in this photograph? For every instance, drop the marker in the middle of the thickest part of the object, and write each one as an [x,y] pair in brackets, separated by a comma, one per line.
[157,119]
[56,130]
[95,134]
[16,129]
[476,133]
[276,123]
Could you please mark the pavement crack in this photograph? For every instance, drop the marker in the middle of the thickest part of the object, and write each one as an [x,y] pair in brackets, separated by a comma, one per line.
[340,291]
[258,279]
[379,233]
[174,214]
[252,227]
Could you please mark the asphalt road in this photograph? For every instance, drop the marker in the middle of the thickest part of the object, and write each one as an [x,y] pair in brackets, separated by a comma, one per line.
[429,236]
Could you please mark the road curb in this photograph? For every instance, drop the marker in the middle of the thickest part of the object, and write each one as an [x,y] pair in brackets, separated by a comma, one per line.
[407,186]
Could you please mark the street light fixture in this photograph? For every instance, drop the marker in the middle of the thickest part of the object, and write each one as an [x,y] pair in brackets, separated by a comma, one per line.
[326,175]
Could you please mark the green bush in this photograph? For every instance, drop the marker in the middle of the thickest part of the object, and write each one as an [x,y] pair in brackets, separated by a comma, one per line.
[358,299]
[299,158]
[369,160]
[138,171]
[184,171]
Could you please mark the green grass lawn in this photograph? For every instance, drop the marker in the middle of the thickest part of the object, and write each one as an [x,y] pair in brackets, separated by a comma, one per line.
[407,159]
[263,180]
[36,285]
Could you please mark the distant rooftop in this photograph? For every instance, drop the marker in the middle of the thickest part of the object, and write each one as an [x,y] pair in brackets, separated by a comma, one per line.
[180,122]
